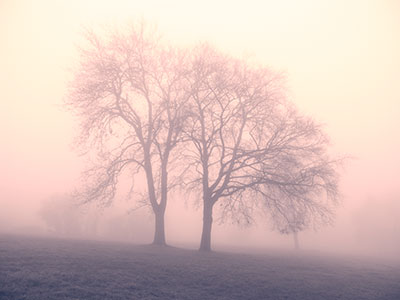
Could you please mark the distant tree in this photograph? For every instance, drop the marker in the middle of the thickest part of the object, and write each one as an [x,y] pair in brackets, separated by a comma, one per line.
[128,94]
[61,216]
[290,217]
[249,145]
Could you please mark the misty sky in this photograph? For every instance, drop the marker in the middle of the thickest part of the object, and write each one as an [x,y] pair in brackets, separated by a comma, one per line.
[342,59]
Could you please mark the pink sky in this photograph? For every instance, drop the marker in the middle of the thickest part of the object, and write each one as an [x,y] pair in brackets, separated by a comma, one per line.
[342,59]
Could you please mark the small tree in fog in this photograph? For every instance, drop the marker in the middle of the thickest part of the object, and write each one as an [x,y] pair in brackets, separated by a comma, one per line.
[290,217]
[61,216]
[128,94]
[249,145]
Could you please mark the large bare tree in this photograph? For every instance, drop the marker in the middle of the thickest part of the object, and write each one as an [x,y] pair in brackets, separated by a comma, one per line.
[128,94]
[249,145]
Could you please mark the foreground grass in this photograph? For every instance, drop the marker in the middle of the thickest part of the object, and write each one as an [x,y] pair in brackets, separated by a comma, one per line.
[38,268]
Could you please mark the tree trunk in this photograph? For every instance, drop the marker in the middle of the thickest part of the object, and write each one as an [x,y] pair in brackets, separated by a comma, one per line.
[296,240]
[159,231]
[205,244]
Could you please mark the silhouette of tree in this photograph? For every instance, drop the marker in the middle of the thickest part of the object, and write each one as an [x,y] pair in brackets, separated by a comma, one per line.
[249,147]
[128,94]
[291,217]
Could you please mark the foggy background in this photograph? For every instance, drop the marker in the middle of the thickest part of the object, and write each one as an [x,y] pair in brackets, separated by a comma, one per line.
[342,60]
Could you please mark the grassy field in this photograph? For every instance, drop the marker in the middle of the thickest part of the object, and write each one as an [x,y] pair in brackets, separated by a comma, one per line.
[40,268]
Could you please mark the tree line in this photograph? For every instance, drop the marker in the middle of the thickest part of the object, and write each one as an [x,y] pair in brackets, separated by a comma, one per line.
[197,119]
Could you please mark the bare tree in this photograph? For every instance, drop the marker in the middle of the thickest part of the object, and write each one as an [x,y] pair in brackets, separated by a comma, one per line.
[248,143]
[61,216]
[291,217]
[304,192]
[128,94]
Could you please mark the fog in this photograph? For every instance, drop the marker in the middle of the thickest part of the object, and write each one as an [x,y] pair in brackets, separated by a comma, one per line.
[342,60]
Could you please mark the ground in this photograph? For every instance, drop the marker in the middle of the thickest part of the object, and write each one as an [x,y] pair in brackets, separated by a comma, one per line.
[42,268]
